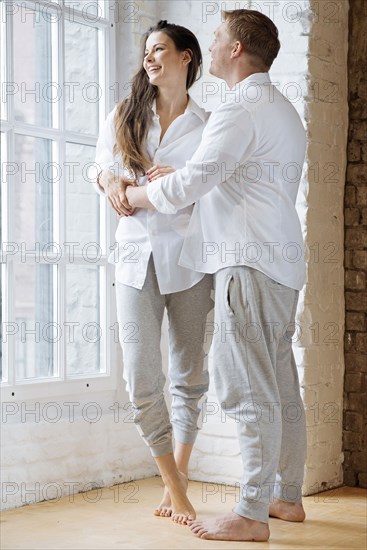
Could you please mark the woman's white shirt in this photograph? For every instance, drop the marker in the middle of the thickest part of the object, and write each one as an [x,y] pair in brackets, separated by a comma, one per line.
[148,231]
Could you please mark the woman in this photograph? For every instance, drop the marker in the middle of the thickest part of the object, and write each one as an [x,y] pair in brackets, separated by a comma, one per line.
[159,124]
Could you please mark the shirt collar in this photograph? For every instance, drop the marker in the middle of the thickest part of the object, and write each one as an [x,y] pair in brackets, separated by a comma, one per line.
[192,107]
[259,78]
[255,78]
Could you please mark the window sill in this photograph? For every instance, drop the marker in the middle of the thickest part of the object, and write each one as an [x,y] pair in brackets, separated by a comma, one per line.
[42,389]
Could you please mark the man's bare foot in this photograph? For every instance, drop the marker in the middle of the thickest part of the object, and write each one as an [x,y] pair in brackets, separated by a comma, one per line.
[230,527]
[165,507]
[289,511]
[182,509]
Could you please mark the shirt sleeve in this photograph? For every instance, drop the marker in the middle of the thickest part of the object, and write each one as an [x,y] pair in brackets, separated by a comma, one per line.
[228,140]
[105,159]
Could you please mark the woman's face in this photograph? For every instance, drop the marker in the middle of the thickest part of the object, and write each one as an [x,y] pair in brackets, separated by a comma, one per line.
[164,64]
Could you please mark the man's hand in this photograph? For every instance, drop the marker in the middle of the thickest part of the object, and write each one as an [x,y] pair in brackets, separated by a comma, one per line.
[158,171]
[115,190]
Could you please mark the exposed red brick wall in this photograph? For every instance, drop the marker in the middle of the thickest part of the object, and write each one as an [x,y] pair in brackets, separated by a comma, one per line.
[355,383]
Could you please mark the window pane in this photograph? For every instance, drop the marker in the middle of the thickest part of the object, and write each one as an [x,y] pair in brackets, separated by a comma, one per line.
[3,374]
[82,202]
[37,334]
[81,74]
[3,183]
[3,77]
[91,8]
[32,67]
[33,193]
[84,344]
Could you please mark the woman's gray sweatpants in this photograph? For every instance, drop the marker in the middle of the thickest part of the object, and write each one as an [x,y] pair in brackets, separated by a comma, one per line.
[257,384]
[187,312]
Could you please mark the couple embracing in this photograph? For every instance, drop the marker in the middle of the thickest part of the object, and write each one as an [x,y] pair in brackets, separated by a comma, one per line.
[210,201]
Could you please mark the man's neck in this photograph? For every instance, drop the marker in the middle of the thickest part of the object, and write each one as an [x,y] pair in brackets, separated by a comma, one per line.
[237,76]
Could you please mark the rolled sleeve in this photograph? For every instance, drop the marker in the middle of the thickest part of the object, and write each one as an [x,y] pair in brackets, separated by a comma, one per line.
[156,196]
[228,140]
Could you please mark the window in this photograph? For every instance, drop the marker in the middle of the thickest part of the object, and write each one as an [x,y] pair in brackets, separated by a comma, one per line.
[55,229]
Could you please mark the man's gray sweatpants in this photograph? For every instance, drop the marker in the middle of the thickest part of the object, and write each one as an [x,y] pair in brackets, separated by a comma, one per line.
[257,384]
[187,312]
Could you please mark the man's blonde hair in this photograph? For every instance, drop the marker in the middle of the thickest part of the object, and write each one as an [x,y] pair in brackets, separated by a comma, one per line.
[257,34]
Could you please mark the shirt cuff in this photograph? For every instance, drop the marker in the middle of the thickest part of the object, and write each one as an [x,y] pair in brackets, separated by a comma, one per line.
[157,198]
[93,173]
[97,185]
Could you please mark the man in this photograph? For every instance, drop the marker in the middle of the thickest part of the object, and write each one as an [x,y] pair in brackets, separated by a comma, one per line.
[245,229]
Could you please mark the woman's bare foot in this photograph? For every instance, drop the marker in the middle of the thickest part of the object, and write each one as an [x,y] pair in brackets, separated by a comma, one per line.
[182,509]
[165,507]
[289,511]
[231,527]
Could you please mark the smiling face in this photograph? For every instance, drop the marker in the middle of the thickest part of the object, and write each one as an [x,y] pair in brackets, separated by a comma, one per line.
[164,64]
[221,49]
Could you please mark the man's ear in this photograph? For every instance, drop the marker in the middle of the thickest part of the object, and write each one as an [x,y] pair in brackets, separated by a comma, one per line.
[237,49]
[187,56]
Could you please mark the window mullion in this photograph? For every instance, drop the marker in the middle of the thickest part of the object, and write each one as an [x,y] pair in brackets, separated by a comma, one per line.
[50,133]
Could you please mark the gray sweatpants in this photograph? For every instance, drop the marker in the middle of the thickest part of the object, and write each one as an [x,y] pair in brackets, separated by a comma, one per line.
[187,312]
[257,384]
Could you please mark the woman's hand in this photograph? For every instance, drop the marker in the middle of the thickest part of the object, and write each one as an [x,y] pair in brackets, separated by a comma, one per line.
[115,190]
[159,170]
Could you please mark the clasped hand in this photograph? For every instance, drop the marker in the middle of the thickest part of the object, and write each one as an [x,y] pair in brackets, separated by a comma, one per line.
[158,171]
[115,190]
[115,187]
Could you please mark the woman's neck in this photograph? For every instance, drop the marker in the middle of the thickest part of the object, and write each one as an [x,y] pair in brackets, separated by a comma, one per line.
[171,102]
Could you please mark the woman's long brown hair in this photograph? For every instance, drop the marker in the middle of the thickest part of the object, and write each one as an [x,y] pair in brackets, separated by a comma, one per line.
[134,114]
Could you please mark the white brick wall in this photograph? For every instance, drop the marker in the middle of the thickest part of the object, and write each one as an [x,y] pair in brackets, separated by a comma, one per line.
[313,55]
[89,446]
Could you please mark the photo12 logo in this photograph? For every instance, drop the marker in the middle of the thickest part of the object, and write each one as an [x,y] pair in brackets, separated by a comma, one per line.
[288,12]
[92,11]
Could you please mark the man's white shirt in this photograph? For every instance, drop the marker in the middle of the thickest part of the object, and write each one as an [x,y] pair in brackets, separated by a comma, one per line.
[246,173]
[148,231]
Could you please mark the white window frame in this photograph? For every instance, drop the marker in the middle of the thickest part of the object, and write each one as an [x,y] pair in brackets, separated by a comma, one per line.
[85,384]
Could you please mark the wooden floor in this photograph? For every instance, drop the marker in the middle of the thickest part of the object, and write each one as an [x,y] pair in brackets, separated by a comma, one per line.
[121,517]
